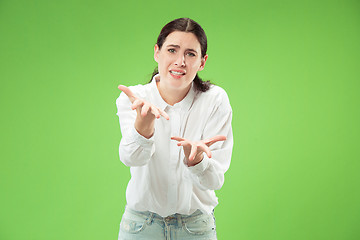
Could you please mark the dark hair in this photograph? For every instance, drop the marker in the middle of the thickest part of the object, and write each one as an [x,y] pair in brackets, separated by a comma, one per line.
[186,25]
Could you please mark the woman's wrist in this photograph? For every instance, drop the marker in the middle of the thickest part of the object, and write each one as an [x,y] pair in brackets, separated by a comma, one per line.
[197,160]
[144,129]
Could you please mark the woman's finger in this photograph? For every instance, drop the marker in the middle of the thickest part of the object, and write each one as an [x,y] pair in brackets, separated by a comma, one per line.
[155,111]
[215,139]
[193,152]
[205,149]
[137,103]
[177,138]
[164,114]
[128,92]
[184,143]
[145,109]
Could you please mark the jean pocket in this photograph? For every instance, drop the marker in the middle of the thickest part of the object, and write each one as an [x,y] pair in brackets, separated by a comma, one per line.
[200,226]
[132,226]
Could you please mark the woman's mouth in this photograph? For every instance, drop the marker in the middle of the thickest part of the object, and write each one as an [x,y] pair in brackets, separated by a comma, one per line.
[177,74]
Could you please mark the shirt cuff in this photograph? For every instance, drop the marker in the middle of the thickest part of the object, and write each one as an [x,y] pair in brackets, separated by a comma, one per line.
[200,168]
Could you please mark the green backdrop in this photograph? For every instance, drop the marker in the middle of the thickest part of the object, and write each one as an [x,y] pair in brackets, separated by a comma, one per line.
[290,68]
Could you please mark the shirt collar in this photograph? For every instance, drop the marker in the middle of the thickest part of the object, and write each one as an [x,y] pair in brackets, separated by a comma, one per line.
[184,104]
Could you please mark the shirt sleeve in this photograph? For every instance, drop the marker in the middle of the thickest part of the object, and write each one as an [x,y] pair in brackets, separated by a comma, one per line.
[134,149]
[209,173]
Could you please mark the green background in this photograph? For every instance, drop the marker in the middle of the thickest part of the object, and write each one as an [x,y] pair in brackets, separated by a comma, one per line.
[290,68]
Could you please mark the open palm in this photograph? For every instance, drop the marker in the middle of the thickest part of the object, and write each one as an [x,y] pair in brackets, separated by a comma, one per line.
[194,150]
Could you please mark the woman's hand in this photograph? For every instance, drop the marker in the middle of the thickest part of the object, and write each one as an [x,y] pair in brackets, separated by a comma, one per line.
[194,150]
[146,113]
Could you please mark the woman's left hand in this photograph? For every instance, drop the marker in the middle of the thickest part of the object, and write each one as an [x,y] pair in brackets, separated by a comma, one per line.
[194,150]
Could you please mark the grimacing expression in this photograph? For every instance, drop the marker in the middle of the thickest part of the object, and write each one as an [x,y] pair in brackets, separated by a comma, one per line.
[179,59]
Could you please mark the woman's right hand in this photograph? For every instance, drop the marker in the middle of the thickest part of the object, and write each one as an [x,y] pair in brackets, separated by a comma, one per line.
[146,113]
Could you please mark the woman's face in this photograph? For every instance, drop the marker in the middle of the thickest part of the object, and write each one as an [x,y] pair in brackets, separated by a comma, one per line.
[179,59]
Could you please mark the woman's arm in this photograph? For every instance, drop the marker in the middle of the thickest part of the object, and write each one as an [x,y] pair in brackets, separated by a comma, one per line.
[137,127]
[146,113]
[207,169]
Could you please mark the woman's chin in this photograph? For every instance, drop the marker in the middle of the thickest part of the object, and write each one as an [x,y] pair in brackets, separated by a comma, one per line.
[172,83]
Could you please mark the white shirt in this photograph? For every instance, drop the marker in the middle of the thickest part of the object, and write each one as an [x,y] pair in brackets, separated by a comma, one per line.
[160,180]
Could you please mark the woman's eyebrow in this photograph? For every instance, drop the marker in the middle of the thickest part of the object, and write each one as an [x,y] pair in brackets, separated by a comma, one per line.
[177,46]
[173,45]
[191,50]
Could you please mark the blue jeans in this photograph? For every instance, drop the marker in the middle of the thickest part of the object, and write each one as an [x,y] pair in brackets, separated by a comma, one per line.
[148,225]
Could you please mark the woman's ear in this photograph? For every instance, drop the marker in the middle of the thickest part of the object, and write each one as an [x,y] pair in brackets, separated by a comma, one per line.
[203,61]
[156,52]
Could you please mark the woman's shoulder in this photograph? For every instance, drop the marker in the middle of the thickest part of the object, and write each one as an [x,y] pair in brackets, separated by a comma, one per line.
[215,92]
[216,95]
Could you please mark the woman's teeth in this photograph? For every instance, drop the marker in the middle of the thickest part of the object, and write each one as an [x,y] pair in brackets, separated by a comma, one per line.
[177,73]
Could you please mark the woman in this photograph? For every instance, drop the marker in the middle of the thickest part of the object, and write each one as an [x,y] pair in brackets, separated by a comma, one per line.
[177,141]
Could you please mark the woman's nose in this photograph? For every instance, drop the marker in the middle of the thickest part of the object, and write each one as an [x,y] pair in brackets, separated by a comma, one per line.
[180,60]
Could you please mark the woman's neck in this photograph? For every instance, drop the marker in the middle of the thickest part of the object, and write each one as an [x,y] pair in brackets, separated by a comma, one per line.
[172,96]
